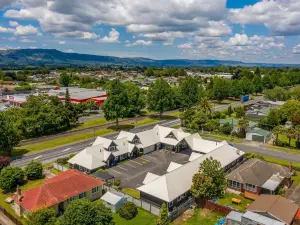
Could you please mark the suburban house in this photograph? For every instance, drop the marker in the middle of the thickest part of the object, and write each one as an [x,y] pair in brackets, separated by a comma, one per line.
[173,188]
[266,210]
[255,177]
[234,123]
[105,152]
[113,200]
[57,193]
[258,134]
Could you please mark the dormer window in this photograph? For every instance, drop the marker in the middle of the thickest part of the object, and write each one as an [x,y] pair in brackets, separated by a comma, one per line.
[171,135]
[135,141]
[112,148]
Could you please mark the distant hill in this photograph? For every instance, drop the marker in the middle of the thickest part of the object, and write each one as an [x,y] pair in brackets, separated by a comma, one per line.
[52,57]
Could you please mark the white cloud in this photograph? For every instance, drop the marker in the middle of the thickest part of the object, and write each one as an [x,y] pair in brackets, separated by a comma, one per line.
[26,30]
[6,30]
[186,46]
[26,40]
[23,14]
[88,36]
[13,23]
[113,37]
[69,51]
[61,42]
[239,40]
[139,42]
[281,17]
[296,49]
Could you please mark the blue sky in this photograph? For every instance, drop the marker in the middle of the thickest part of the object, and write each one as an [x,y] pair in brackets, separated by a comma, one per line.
[245,30]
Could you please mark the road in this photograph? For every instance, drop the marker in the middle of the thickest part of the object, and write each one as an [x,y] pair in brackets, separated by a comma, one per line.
[52,154]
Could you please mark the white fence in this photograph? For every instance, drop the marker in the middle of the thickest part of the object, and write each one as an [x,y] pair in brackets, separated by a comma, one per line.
[59,167]
[138,202]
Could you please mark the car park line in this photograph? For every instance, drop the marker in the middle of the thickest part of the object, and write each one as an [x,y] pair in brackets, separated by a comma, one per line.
[136,162]
[144,159]
[122,168]
[115,171]
[150,157]
[127,164]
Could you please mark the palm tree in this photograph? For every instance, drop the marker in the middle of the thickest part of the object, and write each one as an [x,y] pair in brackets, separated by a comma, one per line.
[206,106]
[242,125]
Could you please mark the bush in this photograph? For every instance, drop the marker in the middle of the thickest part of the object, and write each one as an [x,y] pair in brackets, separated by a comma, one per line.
[4,161]
[216,115]
[223,116]
[226,129]
[128,211]
[117,183]
[71,156]
[10,177]
[62,161]
[34,170]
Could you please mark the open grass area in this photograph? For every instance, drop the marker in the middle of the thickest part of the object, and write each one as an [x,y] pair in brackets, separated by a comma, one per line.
[282,149]
[132,192]
[91,123]
[222,137]
[227,200]
[202,217]
[28,185]
[143,218]
[55,171]
[280,161]
[296,179]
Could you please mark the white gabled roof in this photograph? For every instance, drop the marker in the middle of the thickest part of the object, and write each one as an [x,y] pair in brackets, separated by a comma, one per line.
[173,166]
[179,181]
[123,146]
[150,177]
[105,142]
[128,135]
[194,156]
[112,198]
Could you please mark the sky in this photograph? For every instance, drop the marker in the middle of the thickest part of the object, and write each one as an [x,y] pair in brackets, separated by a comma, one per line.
[245,30]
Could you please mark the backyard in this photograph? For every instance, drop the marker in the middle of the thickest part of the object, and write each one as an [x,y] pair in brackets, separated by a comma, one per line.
[227,200]
[143,218]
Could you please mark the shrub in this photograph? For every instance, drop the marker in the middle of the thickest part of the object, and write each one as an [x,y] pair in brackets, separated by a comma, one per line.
[128,211]
[4,161]
[226,128]
[71,156]
[34,170]
[223,116]
[216,115]
[10,177]
[117,183]
[62,161]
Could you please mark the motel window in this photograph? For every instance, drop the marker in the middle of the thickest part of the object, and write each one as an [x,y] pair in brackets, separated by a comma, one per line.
[95,190]
[250,187]
[135,141]
[234,184]
[82,195]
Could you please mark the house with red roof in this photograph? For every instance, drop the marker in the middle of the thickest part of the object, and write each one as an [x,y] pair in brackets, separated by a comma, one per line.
[57,192]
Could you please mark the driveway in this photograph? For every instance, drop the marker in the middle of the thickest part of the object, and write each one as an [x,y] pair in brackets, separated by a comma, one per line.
[293,193]
[132,173]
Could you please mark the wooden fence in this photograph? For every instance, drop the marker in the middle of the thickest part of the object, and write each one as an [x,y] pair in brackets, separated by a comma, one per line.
[216,207]
[11,217]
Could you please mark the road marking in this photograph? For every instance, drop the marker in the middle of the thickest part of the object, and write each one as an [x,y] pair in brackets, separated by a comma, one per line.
[37,157]
[120,167]
[144,159]
[127,164]
[66,150]
[150,157]
[136,162]
[115,171]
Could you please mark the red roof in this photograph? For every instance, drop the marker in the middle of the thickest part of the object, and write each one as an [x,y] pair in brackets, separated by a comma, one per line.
[57,189]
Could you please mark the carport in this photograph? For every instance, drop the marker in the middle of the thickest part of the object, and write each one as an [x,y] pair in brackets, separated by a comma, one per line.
[258,135]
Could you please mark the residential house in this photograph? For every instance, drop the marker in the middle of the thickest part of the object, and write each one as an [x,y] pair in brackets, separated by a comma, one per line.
[173,188]
[255,177]
[114,200]
[259,135]
[57,192]
[250,218]
[103,153]
[234,123]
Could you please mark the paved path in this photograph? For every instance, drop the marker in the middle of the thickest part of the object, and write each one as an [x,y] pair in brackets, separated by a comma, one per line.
[4,220]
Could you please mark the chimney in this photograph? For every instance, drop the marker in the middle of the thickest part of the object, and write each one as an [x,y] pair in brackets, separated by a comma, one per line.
[290,168]
[19,193]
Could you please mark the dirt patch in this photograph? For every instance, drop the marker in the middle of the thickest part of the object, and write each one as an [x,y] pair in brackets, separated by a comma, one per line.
[184,217]
[204,213]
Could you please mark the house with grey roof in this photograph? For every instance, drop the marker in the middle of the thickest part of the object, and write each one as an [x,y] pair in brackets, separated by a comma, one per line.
[114,200]
[256,176]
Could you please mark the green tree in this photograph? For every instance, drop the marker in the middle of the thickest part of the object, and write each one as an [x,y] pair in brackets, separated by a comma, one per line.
[257,84]
[189,91]
[296,93]
[70,110]
[277,94]
[82,211]
[116,105]
[206,106]
[160,96]
[229,110]
[34,170]
[243,124]
[128,211]
[236,89]
[164,216]
[209,182]
[284,81]
[65,79]
[278,130]
[136,99]
[272,120]
[239,111]
[246,86]
[42,217]
[267,82]
[10,135]
[149,72]
[290,133]
[10,177]
[221,89]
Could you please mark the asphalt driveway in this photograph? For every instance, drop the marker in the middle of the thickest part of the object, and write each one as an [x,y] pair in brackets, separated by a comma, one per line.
[132,173]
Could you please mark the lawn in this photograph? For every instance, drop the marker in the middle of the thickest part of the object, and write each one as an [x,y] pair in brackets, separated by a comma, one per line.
[55,171]
[284,138]
[132,192]
[142,218]
[202,217]
[91,123]
[282,149]
[221,137]
[227,200]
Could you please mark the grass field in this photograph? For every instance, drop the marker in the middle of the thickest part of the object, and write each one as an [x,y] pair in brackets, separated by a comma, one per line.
[227,200]
[282,149]
[202,217]
[91,123]
[142,218]
[222,137]
[132,192]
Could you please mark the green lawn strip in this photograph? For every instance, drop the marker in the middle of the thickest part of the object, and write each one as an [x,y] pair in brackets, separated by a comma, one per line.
[296,179]
[91,123]
[28,185]
[227,200]
[204,217]
[55,171]
[132,192]
[281,149]
[284,138]
[222,137]
[143,218]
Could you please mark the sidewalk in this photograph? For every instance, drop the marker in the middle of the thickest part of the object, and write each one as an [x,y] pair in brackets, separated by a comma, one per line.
[4,220]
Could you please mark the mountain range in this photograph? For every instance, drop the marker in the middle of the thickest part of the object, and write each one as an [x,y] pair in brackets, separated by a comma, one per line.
[53,57]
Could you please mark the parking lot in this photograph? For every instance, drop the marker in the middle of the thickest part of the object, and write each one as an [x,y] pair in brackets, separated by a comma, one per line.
[132,173]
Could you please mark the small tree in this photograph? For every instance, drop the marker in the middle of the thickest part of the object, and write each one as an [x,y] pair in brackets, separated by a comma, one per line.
[34,170]
[242,125]
[10,177]
[229,111]
[164,216]
[210,181]
[42,217]
[240,111]
[128,211]
[65,79]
